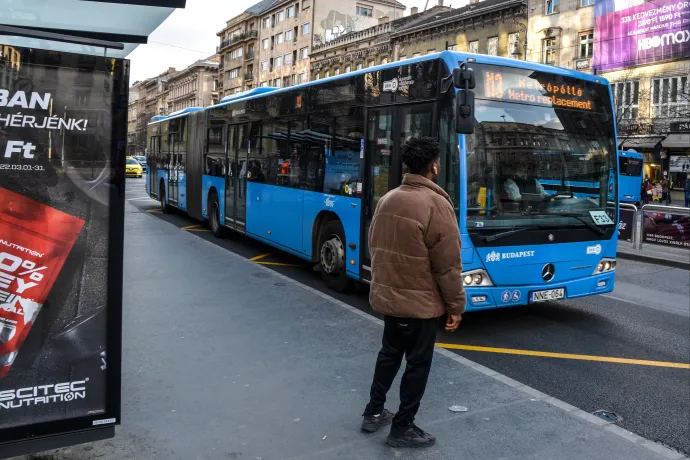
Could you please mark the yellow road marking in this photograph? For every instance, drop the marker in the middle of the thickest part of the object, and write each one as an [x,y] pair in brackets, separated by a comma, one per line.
[198,230]
[279,264]
[546,354]
[158,211]
[254,259]
[189,227]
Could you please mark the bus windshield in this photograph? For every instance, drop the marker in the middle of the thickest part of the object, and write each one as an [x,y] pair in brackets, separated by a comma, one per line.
[538,158]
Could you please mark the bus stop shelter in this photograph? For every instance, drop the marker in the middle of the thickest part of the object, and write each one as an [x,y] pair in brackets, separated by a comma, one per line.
[64,82]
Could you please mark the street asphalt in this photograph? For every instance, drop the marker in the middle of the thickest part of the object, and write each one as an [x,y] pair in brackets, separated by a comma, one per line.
[645,320]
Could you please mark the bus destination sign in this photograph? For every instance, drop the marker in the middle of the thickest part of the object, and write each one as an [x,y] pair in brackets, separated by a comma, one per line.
[534,88]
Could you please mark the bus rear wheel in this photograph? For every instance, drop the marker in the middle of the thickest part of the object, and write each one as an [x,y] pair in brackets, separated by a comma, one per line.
[332,261]
[214,216]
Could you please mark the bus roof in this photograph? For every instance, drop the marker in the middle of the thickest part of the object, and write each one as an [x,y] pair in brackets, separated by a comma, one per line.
[177,114]
[631,154]
[451,58]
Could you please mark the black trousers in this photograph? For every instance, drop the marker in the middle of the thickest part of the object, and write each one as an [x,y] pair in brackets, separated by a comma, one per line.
[415,339]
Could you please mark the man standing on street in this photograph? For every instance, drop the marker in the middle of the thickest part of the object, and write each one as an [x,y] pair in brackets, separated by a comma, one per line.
[416,278]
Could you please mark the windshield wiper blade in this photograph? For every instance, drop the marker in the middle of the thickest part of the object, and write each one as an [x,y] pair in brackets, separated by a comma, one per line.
[567,193]
[580,217]
[498,236]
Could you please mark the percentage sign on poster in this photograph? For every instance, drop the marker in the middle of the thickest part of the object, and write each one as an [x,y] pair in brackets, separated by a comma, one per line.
[35,275]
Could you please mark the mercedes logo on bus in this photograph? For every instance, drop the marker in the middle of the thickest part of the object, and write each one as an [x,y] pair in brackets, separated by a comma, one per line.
[548,272]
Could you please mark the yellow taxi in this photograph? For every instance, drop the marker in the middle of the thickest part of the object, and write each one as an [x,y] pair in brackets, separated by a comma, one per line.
[133,168]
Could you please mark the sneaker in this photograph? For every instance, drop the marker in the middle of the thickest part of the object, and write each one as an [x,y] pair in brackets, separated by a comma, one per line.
[411,436]
[372,423]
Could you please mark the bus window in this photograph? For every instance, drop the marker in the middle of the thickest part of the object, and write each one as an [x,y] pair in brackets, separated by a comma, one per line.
[415,121]
[344,167]
[275,152]
[630,166]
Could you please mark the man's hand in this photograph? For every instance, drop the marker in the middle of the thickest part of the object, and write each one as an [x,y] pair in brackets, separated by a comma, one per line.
[452,322]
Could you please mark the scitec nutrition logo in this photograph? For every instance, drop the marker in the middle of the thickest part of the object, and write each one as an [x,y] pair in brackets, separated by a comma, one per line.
[663,40]
[43,394]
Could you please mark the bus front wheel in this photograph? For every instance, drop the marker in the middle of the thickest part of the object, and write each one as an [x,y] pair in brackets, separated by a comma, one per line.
[332,261]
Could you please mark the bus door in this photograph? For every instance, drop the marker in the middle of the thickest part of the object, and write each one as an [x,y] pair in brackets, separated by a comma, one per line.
[236,177]
[387,130]
[379,152]
[152,165]
[173,189]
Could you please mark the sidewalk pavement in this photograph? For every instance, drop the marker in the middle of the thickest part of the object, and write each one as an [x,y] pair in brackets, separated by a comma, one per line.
[655,254]
[225,359]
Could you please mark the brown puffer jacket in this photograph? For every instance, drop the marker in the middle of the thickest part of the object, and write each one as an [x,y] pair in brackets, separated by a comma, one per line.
[415,252]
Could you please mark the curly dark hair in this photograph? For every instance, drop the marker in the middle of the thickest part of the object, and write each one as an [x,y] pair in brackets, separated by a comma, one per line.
[419,152]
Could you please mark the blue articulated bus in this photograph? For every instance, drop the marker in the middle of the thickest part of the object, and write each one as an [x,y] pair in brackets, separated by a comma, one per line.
[631,170]
[302,169]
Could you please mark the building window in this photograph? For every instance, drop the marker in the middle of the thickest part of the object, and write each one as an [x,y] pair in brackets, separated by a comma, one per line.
[348,69]
[305,29]
[670,97]
[280,17]
[371,63]
[336,71]
[548,51]
[318,76]
[264,66]
[584,3]
[264,43]
[551,7]
[279,39]
[287,59]
[234,73]
[452,47]
[626,95]
[403,57]
[306,4]
[492,46]
[586,44]
[277,83]
[266,23]
[384,60]
[359,66]
[303,77]
[327,74]
[304,53]
[416,55]
[513,44]
[236,53]
[290,12]
[263,84]
[289,35]
[277,62]
[473,47]
[430,51]
[366,11]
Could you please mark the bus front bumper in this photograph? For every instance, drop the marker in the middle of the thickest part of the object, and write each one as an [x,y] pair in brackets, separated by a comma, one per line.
[483,298]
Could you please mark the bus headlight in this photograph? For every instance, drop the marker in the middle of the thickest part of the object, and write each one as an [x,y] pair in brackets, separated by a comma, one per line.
[475,278]
[604,266]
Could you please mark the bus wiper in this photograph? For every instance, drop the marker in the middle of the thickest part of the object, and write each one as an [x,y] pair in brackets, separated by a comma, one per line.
[579,217]
[498,236]
[567,193]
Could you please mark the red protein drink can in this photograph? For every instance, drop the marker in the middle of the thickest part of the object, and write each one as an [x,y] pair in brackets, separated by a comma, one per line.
[35,241]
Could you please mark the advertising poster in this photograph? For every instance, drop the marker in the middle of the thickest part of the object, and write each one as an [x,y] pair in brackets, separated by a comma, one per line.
[680,164]
[630,33]
[62,150]
[667,229]
[626,224]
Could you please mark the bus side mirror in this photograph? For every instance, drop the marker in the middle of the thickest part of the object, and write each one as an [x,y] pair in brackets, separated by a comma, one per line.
[464,112]
[463,75]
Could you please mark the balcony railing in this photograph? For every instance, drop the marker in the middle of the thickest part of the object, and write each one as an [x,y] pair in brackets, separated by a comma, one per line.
[242,36]
[249,56]
[248,76]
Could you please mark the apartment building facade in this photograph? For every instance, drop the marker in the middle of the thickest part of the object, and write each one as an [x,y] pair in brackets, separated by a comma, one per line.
[490,27]
[290,28]
[238,51]
[132,112]
[194,86]
[561,33]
